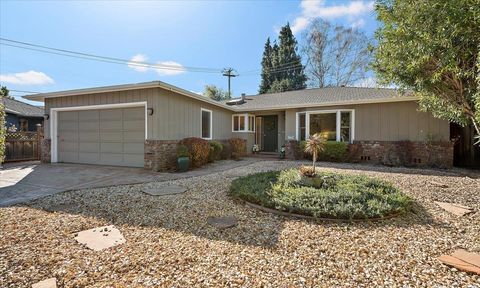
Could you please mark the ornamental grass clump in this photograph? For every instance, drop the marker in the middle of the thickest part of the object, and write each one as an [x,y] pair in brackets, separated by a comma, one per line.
[315,145]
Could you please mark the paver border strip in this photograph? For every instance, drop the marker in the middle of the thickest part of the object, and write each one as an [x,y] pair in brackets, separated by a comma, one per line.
[306,217]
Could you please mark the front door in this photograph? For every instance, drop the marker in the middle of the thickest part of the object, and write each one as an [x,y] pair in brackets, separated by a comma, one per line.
[270,133]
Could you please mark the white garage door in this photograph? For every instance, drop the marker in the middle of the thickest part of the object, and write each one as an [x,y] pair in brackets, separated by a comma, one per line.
[103,136]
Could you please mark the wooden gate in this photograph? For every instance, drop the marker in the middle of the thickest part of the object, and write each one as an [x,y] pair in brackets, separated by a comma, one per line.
[23,146]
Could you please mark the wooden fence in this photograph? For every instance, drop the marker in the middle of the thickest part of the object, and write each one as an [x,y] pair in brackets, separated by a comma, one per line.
[23,146]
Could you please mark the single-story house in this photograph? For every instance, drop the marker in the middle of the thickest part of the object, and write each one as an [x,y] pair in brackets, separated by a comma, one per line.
[24,117]
[141,124]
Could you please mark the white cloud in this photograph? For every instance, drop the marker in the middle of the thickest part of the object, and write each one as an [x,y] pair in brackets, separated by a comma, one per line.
[312,9]
[163,68]
[26,78]
[196,92]
[136,65]
[299,24]
[171,68]
[358,23]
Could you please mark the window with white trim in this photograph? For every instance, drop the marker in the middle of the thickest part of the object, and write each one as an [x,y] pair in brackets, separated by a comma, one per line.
[243,123]
[336,125]
[206,124]
[301,126]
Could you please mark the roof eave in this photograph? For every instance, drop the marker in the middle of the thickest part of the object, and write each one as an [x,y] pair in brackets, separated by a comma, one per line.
[154,84]
[324,104]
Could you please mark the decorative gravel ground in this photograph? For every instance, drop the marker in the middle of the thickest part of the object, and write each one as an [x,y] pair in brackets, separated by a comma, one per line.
[169,242]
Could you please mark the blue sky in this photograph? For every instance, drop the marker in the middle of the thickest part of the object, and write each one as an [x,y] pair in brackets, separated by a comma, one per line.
[207,34]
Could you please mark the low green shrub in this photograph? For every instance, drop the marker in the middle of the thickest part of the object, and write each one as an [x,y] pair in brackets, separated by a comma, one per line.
[199,150]
[216,149]
[327,195]
[334,152]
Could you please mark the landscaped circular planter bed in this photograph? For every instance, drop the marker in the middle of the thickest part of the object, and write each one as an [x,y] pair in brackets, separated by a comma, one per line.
[324,196]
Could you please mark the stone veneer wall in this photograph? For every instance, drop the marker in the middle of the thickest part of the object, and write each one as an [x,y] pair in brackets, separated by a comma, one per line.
[45,156]
[161,155]
[405,153]
[393,153]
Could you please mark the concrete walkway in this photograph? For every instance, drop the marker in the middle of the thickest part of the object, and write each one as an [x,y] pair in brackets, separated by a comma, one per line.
[28,181]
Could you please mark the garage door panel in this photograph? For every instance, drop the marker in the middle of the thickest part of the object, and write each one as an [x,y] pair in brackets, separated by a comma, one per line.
[135,159]
[133,125]
[134,136]
[89,126]
[111,125]
[105,136]
[68,126]
[112,159]
[68,116]
[68,146]
[111,147]
[111,114]
[68,156]
[88,158]
[70,136]
[133,148]
[88,115]
[87,136]
[91,147]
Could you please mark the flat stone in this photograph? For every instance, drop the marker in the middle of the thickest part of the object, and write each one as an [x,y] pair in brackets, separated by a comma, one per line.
[222,222]
[100,238]
[459,264]
[454,208]
[164,190]
[47,283]
[471,258]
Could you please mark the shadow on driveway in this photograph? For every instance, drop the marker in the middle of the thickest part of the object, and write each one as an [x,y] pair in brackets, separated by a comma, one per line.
[23,182]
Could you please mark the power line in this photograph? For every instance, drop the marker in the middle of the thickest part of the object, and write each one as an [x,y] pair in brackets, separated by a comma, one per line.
[229,72]
[279,70]
[87,56]
[296,62]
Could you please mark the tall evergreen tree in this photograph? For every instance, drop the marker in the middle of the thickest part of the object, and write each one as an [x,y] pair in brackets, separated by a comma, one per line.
[282,68]
[266,67]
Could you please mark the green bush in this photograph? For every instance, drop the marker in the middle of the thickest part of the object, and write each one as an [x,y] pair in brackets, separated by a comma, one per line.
[199,150]
[327,195]
[334,152]
[216,149]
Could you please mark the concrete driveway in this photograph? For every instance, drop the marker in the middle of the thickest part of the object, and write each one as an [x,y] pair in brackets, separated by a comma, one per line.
[27,181]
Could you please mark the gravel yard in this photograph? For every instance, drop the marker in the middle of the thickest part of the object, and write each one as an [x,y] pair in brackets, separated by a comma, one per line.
[169,242]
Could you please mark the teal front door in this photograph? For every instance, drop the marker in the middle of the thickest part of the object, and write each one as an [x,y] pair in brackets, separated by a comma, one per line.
[270,133]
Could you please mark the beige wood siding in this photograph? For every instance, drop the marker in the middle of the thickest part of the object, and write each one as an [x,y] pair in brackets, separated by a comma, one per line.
[175,116]
[385,122]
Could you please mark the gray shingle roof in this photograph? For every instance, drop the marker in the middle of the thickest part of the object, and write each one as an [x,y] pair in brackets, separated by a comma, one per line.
[21,108]
[321,97]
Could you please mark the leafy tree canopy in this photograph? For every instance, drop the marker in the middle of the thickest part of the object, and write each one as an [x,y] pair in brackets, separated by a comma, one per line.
[282,68]
[215,93]
[433,48]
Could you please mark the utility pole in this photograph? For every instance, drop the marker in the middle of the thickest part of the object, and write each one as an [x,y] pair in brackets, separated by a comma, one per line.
[229,72]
